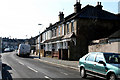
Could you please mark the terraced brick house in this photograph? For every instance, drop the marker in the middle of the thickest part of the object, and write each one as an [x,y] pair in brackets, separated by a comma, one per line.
[68,39]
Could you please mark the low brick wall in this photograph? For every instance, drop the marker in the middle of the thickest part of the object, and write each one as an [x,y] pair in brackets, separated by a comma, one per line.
[111,47]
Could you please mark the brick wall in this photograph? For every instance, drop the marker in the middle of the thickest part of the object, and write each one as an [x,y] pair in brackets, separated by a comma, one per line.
[113,47]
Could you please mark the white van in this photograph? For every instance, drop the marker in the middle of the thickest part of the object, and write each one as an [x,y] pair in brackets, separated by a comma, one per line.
[24,50]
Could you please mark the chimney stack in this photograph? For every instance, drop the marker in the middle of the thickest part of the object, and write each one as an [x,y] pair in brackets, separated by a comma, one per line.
[77,7]
[99,6]
[50,24]
[61,16]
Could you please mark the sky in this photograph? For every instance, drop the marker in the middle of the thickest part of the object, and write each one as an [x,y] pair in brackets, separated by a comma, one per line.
[20,18]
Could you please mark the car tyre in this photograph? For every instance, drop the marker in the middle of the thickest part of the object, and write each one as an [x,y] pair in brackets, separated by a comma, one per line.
[83,73]
[112,77]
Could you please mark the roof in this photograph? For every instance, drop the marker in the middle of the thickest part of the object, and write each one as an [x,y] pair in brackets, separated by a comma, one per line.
[93,12]
[69,36]
[115,35]
[53,39]
[88,12]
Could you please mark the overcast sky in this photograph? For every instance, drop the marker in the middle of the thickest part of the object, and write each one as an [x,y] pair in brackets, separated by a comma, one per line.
[19,18]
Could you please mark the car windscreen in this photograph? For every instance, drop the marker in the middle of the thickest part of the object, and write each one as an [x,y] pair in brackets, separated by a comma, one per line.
[112,58]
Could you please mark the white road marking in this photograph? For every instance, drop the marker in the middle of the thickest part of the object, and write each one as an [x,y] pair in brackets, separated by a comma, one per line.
[21,63]
[13,69]
[32,69]
[9,66]
[47,77]
[64,73]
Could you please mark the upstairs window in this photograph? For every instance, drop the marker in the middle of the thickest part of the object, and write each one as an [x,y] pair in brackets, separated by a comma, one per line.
[67,28]
[62,29]
[45,36]
[52,33]
[59,30]
[72,25]
[55,31]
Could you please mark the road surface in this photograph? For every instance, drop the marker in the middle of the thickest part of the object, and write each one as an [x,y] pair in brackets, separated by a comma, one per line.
[19,68]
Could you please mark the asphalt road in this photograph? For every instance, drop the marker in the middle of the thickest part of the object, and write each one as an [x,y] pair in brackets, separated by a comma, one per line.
[19,68]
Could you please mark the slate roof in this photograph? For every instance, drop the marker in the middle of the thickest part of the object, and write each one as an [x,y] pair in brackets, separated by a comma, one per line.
[54,39]
[69,36]
[93,12]
[115,35]
[88,12]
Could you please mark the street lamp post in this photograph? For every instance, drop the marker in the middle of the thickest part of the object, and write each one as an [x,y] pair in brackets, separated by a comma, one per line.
[39,42]
[39,45]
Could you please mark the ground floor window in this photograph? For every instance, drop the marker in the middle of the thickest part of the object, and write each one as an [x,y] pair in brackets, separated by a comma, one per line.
[60,45]
[65,45]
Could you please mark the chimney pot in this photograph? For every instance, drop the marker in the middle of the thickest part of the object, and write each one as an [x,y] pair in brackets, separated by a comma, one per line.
[99,6]
[100,3]
[97,3]
[77,7]
[61,16]
[50,24]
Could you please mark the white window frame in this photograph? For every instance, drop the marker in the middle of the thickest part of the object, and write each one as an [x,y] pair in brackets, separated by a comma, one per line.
[68,30]
[55,32]
[72,25]
[62,29]
[59,30]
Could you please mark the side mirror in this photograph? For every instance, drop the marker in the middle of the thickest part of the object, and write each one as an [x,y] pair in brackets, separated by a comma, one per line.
[102,62]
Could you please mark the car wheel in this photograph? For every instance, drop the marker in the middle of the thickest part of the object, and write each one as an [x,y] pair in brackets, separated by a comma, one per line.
[112,77]
[83,73]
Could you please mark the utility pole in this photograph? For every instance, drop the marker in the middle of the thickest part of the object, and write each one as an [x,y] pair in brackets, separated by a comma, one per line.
[39,45]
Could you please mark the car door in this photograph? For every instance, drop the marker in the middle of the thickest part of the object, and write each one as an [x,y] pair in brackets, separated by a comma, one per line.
[99,68]
[90,61]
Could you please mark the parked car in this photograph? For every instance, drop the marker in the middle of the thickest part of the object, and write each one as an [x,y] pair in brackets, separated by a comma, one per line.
[8,49]
[24,50]
[100,64]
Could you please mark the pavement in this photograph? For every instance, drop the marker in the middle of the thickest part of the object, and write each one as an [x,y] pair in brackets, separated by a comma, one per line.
[63,63]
